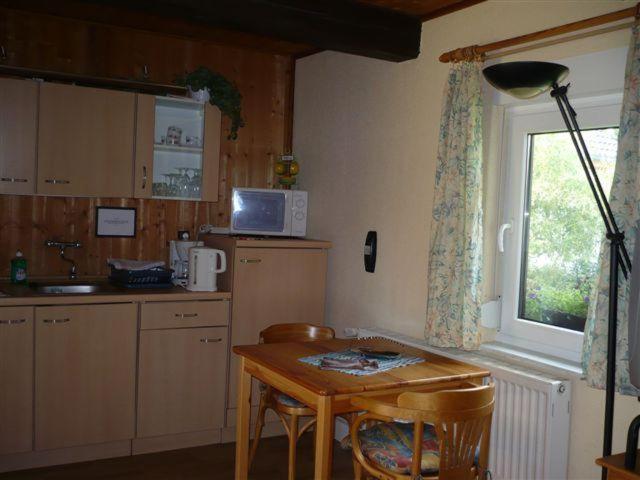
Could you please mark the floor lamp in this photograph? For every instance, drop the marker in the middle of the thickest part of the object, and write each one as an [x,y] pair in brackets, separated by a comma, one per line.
[527,80]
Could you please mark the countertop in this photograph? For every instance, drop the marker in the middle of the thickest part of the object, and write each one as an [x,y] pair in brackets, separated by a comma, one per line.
[242,241]
[16,295]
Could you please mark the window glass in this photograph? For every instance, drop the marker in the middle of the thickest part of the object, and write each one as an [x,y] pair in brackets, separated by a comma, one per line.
[562,228]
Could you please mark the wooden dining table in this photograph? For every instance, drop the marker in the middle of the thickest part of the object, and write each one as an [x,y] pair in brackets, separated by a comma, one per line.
[330,392]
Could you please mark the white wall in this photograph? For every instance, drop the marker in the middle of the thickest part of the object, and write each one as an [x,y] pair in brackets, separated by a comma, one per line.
[366,132]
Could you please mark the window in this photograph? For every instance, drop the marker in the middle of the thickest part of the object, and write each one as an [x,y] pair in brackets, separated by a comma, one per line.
[560,244]
[549,262]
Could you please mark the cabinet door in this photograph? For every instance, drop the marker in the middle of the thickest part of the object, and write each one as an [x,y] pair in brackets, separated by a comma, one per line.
[181,383]
[16,378]
[85,141]
[18,122]
[273,286]
[85,374]
[211,154]
[145,126]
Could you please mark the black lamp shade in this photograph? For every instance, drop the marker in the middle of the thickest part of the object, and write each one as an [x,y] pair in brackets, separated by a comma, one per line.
[525,79]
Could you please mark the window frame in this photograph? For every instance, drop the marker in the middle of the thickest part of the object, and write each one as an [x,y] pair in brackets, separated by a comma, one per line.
[519,122]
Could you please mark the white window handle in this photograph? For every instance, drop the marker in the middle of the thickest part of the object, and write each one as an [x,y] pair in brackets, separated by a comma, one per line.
[503,228]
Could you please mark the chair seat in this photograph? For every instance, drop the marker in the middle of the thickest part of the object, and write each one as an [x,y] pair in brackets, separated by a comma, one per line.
[390,445]
[288,401]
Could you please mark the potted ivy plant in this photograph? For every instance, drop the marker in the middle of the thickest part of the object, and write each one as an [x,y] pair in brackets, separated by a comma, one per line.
[204,84]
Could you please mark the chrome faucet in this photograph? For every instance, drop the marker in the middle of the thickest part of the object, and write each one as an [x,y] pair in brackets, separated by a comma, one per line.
[62,245]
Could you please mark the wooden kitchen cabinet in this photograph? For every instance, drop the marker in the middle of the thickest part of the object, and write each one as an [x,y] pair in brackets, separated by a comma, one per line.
[182,171]
[16,379]
[182,367]
[181,382]
[85,141]
[273,281]
[85,364]
[18,127]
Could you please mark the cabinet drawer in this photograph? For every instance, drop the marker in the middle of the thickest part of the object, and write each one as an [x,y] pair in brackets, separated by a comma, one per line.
[213,313]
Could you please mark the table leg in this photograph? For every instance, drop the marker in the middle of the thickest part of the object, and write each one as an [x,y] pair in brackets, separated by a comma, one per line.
[324,439]
[242,422]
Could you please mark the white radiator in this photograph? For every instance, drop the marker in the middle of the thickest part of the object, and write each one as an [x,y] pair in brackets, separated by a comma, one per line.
[531,419]
[530,428]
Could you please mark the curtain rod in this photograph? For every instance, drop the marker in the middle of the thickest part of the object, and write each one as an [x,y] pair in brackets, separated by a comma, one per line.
[474,51]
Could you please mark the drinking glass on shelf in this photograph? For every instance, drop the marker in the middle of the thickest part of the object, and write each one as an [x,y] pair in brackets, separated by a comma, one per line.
[174,135]
[160,189]
[172,179]
[183,181]
[196,182]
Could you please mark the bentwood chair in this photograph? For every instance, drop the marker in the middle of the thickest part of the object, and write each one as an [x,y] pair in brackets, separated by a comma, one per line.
[283,405]
[438,435]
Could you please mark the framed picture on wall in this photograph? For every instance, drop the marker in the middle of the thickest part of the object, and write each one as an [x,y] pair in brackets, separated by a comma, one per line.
[115,222]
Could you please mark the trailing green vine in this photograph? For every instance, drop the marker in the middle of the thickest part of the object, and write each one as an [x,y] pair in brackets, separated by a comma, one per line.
[223,94]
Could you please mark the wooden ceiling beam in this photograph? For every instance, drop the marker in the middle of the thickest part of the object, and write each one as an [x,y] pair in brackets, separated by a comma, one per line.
[461,4]
[153,23]
[340,25]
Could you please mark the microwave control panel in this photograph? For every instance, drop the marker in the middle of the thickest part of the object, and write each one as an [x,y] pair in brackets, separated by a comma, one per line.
[298,213]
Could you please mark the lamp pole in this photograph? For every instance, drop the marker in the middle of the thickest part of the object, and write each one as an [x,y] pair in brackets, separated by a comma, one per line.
[618,254]
[526,80]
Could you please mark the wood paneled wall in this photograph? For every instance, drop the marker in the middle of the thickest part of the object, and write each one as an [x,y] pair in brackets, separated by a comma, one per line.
[54,43]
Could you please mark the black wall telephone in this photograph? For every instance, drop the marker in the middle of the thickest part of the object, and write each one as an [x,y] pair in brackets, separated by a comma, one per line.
[370,246]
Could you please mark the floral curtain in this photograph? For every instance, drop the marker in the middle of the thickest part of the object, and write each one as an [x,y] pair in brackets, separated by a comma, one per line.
[455,258]
[625,204]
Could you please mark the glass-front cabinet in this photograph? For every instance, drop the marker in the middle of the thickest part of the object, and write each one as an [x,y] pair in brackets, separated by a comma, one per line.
[177,149]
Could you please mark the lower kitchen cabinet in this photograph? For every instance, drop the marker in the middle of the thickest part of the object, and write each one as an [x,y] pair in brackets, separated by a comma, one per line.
[181,382]
[16,379]
[85,364]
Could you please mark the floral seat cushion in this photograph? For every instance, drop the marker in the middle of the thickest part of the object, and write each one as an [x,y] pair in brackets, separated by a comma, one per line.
[288,401]
[390,445]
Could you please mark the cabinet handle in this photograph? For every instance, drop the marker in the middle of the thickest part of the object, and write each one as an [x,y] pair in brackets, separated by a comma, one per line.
[186,315]
[144,176]
[250,260]
[13,180]
[12,322]
[53,321]
[210,340]
[55,181]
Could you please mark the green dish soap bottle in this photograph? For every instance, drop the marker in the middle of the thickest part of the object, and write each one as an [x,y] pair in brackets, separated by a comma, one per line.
[19,268]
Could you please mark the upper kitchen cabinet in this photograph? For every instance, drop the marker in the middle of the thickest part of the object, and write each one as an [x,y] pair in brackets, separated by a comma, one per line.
[85,141]
[18,126]
[177,149]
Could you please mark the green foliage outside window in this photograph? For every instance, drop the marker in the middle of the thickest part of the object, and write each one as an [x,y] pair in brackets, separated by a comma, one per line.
[565,227]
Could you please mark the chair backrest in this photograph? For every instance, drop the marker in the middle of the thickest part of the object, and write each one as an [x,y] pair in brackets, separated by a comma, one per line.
[295,332]
[462,420]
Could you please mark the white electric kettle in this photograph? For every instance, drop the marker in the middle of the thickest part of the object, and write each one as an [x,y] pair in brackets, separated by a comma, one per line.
[203,268]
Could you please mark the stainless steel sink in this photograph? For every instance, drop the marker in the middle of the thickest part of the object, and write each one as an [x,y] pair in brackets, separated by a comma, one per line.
[68,288]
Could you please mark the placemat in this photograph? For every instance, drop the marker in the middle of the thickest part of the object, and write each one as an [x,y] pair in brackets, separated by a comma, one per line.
[383,365]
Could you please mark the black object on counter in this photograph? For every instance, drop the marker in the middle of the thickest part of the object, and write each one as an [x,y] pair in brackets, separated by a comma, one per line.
[158,277]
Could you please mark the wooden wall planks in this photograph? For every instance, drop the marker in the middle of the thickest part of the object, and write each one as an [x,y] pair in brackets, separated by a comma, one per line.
[26,222]
[54,43]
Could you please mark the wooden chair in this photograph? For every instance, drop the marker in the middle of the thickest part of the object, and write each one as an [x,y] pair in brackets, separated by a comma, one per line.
[443,435]
[282,404]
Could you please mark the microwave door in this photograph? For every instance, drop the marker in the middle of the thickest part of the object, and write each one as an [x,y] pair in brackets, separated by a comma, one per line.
[259,212]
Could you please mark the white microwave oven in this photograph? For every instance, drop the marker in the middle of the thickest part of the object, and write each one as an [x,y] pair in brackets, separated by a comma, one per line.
[260,211]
